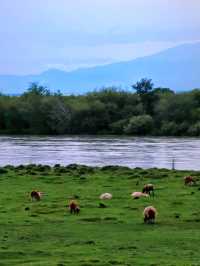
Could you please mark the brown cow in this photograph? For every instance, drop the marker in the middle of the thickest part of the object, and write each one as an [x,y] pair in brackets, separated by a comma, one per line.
[36,195]
[148,189]
[73,207]
[189,180]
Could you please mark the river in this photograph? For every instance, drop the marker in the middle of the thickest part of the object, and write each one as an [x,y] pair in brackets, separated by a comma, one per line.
[134,152]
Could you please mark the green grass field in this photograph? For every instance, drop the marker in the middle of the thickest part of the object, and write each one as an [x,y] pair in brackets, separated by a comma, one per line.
[46,233]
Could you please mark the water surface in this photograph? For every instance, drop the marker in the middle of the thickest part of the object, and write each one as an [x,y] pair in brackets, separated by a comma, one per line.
[99,151]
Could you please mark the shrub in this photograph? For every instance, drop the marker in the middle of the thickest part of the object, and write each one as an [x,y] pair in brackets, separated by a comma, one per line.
[139,125]
[169,129]
[118,127]
[194,130]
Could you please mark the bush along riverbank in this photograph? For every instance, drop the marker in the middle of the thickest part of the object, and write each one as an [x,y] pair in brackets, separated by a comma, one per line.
[145,110]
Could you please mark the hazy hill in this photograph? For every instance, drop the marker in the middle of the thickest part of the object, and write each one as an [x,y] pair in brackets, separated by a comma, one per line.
[177,68]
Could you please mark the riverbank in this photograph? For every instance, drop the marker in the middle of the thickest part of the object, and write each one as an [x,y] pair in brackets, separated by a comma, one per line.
[44,233]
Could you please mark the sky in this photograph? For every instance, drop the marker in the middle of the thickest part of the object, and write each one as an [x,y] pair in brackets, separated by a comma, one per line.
[36,35]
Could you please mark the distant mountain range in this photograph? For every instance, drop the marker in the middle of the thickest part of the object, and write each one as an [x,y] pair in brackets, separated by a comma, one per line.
[176,68]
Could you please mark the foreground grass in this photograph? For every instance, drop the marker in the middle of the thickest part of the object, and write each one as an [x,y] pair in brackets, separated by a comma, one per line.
[44,233]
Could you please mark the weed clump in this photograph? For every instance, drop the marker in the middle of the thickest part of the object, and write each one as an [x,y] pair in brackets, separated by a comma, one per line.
[3,170]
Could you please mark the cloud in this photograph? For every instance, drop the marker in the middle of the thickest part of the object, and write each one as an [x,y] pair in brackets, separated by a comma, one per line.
[48,32]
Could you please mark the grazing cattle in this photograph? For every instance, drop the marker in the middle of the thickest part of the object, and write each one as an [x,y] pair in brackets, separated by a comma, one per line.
[189,180]
[77,210]
[137,195]
[105,196]
[148,189]
[149,214]
[73,207]
[36,195]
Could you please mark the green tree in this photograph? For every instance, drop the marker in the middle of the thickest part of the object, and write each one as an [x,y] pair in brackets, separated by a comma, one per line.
[169,129]
[118,126]
[58,115]
[194,130]
[139,125]
[37,90]
[144,88]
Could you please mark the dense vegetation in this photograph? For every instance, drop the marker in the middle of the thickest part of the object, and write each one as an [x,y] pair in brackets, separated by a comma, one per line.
[143,111]
[44,233]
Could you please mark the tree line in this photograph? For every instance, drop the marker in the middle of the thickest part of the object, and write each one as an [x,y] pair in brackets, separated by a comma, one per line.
[145,110]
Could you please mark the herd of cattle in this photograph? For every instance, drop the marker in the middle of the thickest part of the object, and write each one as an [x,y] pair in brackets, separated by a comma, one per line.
[149,212]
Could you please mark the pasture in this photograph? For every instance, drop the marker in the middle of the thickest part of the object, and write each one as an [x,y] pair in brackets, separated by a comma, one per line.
[45,233]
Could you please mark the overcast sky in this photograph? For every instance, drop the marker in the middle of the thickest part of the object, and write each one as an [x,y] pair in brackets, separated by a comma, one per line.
[36,35]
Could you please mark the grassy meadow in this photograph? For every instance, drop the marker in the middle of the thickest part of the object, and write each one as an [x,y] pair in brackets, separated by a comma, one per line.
[45,233]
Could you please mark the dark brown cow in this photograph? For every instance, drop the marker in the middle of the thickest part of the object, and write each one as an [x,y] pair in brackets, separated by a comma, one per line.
[35,195]
[148,189]
[73,207]
[189,180]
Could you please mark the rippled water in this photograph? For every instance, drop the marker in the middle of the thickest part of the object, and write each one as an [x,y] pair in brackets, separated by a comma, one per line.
[89,150]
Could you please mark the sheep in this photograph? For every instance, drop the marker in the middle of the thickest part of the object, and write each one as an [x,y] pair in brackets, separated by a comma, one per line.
[73,207]
[105,196]
[148,189]
[149,214]
[137,195]
[36,195]
[189,180]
